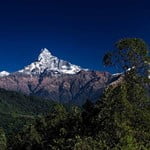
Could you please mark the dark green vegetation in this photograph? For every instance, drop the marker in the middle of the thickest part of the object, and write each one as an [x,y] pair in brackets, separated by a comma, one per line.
[16,109]
[119,120]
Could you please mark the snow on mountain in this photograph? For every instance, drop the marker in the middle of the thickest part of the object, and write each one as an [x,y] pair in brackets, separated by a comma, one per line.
[116,74]
[49,63]
[4,73]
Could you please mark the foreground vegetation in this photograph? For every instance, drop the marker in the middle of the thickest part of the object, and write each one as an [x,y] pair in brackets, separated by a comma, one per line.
[17,109]
[119,120]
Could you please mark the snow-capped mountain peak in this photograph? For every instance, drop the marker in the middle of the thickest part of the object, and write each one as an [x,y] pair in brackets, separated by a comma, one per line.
[45,55]
[4,73]
[46,62]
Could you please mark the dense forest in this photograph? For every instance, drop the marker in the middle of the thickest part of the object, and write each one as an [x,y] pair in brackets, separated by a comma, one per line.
[119,120]
[16,109]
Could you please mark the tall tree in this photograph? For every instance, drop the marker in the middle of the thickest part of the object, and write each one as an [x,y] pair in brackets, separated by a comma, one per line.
[132,57]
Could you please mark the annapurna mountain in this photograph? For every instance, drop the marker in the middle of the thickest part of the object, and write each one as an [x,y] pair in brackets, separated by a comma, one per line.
[52,78]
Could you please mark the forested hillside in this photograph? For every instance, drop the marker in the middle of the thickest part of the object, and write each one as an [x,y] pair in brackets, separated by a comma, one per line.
[16,109]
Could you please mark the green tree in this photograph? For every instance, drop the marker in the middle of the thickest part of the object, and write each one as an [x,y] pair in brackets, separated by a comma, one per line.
[3,141]
[129,53]
[126,106]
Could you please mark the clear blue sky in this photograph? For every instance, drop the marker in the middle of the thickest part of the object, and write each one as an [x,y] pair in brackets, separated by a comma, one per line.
[79,31]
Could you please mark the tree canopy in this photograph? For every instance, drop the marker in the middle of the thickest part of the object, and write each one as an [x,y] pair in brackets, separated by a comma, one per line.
[129,53]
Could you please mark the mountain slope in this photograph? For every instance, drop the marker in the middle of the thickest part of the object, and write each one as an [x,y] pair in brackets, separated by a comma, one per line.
[19,103]
[66,88]
[59,80]
[16,109]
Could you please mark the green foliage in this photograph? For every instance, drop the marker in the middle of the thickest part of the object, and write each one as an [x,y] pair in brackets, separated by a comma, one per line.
[117,121]
[88,143]
[17,109]
[14,103]
[3,141]
[129,53]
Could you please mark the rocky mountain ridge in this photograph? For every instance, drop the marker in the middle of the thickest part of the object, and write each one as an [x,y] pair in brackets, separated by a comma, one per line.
[59,80]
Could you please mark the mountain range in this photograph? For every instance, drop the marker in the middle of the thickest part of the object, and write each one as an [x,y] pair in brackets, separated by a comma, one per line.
[53,78]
